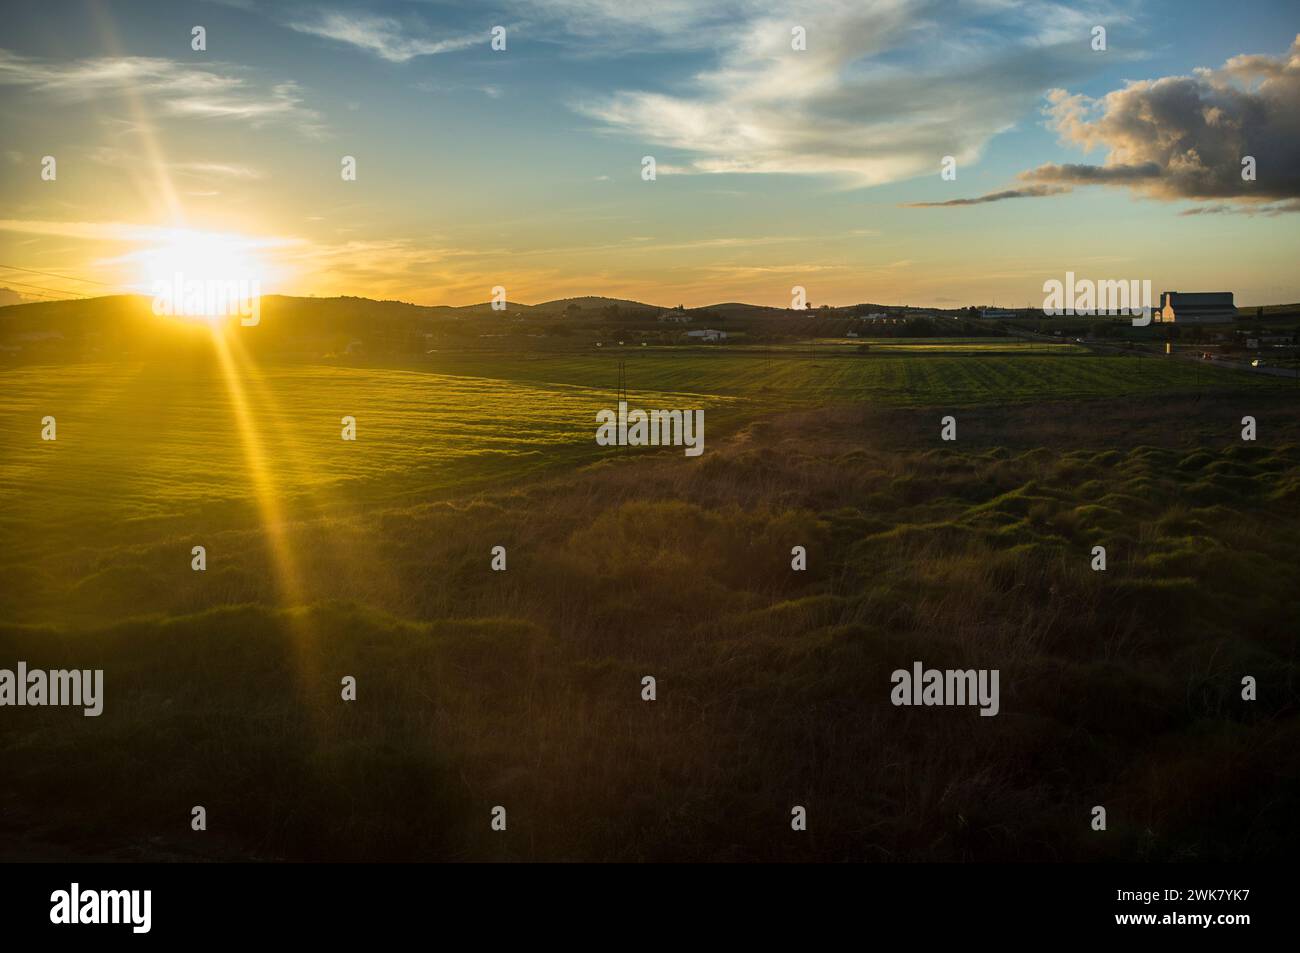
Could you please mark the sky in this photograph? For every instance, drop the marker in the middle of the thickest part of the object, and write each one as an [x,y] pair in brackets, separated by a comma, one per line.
[523,168]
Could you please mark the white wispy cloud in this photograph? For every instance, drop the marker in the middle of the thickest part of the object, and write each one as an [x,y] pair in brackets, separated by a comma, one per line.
[134,233]
[383,36]
[180,89]
[882,92]
[220,170]
[440,88]
[612,27]
[111,155]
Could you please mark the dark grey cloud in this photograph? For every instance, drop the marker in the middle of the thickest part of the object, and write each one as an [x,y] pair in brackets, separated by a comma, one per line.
[1078,174]
[1184,137]
[1269,208]
[1029,192]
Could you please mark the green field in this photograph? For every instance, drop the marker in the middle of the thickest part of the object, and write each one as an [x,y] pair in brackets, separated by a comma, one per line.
[154,442]
[371,558]
[161,441]
[959,346]
[799,377]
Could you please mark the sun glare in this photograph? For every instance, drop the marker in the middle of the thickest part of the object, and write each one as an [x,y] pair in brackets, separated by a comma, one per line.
[203,275]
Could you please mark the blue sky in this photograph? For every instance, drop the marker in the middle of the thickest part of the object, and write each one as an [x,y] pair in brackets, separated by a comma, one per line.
[776,167]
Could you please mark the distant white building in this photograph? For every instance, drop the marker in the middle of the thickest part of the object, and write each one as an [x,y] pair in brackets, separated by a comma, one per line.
[707,334]
[997,313]
[674,317]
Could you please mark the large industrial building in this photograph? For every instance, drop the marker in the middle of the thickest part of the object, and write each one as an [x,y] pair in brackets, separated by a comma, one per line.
[1200,307]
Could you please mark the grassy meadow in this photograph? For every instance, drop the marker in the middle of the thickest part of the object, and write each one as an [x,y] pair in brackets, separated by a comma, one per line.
[522,688]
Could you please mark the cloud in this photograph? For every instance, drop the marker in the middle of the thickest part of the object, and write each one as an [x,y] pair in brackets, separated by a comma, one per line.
[383,266]
[1267,208]
[382,36]
[1075,174]
[134,233]
[111,155]
[438,88]
[220,170]
[613,27]
[882,92]
[1184,137]
[177,88]
[1030,192]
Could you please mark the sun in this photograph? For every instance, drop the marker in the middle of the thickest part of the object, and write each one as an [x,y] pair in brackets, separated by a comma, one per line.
[202,275]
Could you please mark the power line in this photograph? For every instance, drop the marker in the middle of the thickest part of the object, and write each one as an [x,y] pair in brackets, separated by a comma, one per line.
[50,274]
[33,294]
[20,284]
